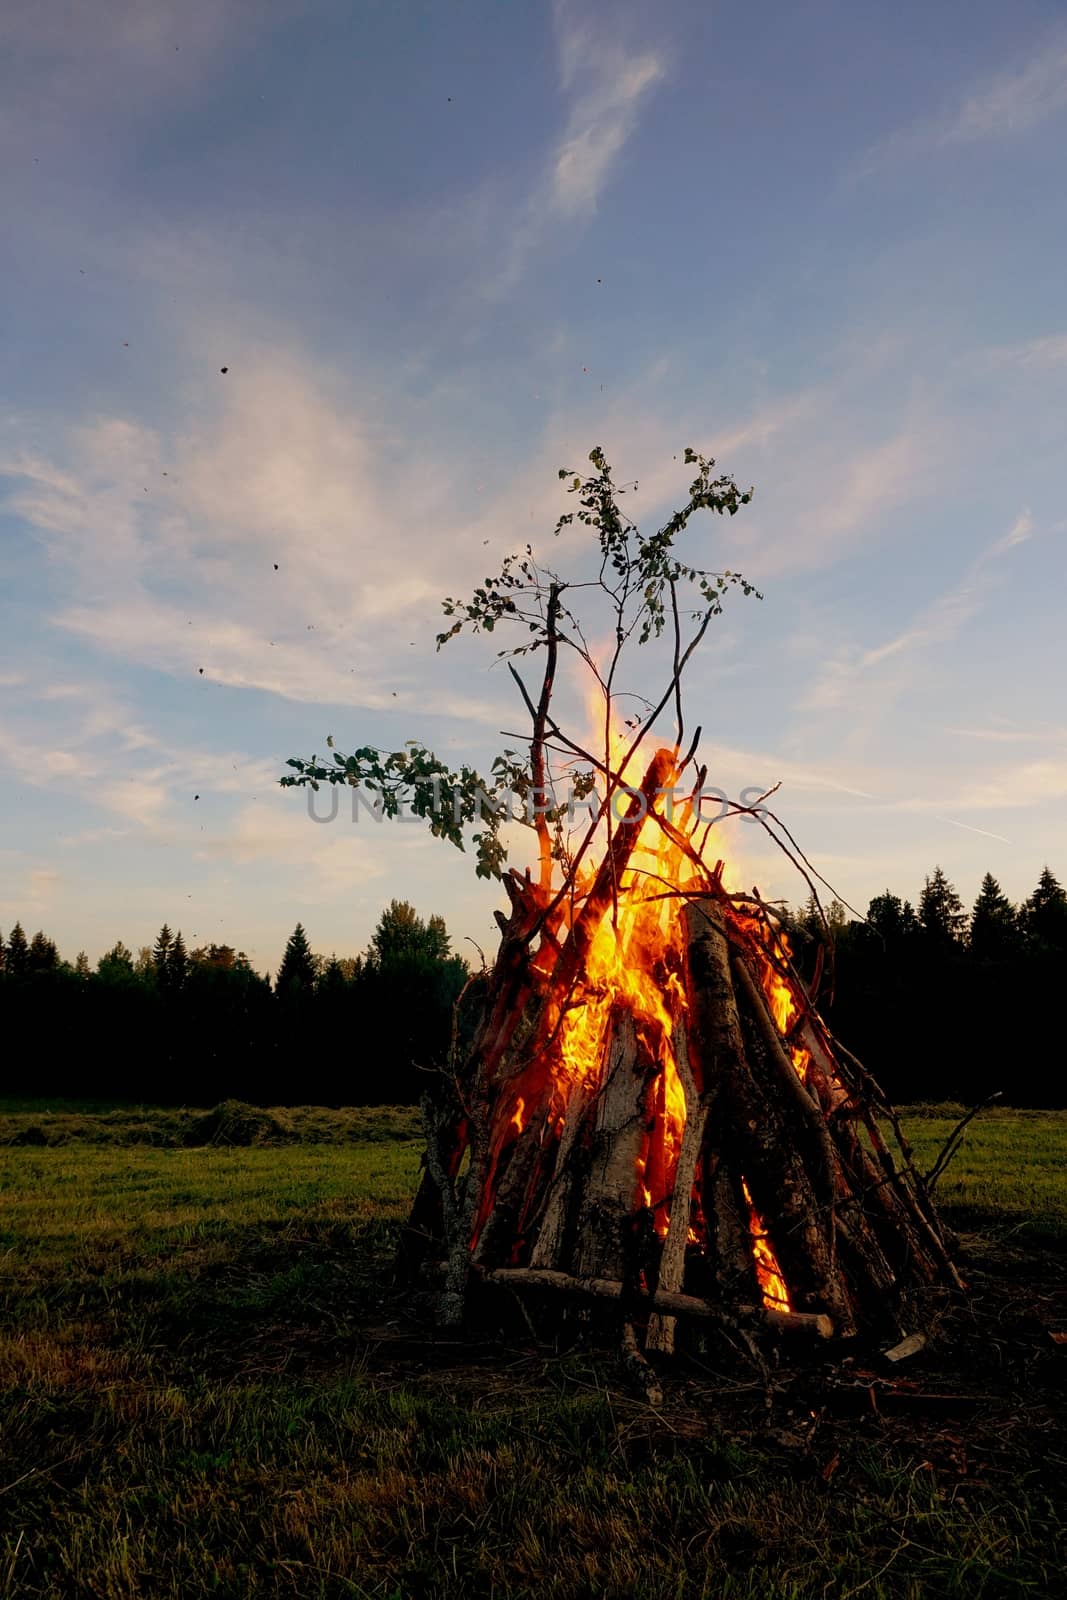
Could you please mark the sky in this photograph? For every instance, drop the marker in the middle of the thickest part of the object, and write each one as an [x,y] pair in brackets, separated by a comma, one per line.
[440,250]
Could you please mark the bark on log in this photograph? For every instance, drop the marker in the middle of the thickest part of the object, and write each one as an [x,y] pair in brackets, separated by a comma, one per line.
[610,1189]
[813,1325]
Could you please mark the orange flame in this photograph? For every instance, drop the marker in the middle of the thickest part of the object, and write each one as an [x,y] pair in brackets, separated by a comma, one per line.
[635,963]
[768,1273]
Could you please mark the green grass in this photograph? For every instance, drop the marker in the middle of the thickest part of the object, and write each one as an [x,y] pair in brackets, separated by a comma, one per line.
[208,1387]
[1009,1178]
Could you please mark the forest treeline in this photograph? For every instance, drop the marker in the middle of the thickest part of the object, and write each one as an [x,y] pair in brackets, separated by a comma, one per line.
[173,1026]
[937,1001]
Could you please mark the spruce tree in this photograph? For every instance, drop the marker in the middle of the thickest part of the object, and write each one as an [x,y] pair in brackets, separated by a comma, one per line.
[994,923]
[941,912]
[297,970]
[3,952]
[81,965]
[18,952]
[332,978]
[1044,914]
[177,963]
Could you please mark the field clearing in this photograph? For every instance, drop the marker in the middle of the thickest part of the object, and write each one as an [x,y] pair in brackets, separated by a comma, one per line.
[208,1386]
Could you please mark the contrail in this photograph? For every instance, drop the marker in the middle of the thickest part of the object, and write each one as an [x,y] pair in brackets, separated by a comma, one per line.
[983,831]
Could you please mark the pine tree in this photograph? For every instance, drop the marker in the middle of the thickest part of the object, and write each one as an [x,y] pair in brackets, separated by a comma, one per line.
[941,912]
[18,952]
[297,970]
[161,951]
[81,965]
[177,963]
[3,952]
[1044,914]
[994,923]
[43,955]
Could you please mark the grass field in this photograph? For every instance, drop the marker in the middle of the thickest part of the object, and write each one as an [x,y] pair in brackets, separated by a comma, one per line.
[208,1386]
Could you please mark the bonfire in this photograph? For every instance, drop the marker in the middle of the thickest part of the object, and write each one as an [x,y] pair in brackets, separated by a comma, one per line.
[643,1114]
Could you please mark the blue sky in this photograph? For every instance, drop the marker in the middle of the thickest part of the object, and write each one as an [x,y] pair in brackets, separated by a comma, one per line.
[443,249]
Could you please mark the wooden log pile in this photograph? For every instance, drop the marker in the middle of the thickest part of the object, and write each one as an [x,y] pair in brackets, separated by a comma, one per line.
[731,1163]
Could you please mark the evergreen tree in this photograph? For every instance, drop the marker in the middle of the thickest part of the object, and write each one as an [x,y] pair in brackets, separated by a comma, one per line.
[81,965]
[177,963]
[994,924]
[1044,914]
[297,970]
[3,952]
[43,955]
[161,951]
[332,979]
[941,912]
[17,960]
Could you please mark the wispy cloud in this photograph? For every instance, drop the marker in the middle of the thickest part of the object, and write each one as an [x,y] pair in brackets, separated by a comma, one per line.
[872,679]
[1004,104]
[265,547]
[604,87]
[1050,350]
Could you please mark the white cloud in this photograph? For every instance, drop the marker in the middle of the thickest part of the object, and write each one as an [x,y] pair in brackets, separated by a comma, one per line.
[598,128]
[333,857]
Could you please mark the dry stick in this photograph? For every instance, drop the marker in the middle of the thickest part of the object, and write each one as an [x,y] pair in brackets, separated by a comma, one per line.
[865,1091]
[875,1092]
[537,744]
[813,1323]
[636,1367]
[913,1199]
[955,1139]
[677,667]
